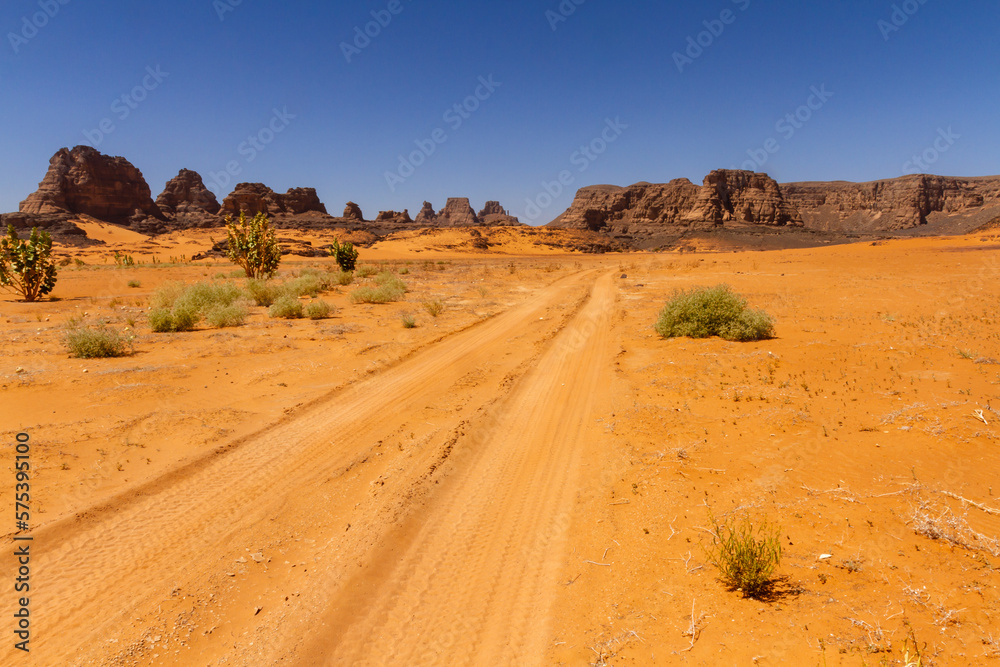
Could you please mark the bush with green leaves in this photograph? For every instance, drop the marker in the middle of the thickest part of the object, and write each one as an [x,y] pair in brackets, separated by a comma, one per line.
[97,342]
[745,554]
[253,245]
[712,311]
[388,287]
[286,307]
[263,292]
[26,265]
[180,307]
[318,310]
[345,254]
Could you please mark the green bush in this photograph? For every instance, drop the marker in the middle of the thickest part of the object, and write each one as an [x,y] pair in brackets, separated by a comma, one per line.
[712,311]
[253,245]
[134,283]
[310,284]
[286,307]
[366,271]
[344,278]
[97,342]
[345,254]
[434,308]
[263,292]
[26,266]
[745,555]
[179,307]
[387,288]
[408,321]
[318,310]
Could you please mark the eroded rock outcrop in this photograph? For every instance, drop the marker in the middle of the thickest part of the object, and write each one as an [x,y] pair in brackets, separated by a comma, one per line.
[493,214]
[394,217]
[457,212]
[254,198]
[187,202]
[427,217]
[353,212]
[85,181]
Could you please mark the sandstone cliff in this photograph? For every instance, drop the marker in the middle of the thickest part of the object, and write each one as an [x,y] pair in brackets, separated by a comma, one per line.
[187,202]
[254,198]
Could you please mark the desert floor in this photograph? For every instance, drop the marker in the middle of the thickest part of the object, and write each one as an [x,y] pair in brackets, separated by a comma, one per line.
[524,479]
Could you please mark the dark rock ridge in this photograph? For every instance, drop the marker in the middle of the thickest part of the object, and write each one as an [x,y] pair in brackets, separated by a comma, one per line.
[457,212]
[84,181]
[394,217]
[254,198]
[186,201]
[729,198]
[494,214]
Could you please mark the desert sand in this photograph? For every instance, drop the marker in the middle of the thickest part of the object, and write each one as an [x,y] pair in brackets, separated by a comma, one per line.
[524,479]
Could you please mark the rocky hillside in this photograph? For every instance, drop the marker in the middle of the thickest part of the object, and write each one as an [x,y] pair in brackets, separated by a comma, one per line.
[732,198]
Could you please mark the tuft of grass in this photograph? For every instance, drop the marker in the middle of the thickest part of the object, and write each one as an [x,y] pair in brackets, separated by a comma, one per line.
[365,271]
[388,287]
[263,292]
[318,310]
[179,307]
[745,554]
[344,278]
[712,311]
[134,283]
[308,284]
[434,308]
[97,342]
[408,321]
[286,307]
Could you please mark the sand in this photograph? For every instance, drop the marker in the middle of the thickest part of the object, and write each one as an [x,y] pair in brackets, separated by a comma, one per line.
[525,479]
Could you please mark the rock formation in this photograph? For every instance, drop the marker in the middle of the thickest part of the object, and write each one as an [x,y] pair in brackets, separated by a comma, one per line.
[254,198]
[427,217]
[730,195]
[84,181]
[643,208]
[353,212]
[187,202]
[892,204]
[493,214]
[394,217]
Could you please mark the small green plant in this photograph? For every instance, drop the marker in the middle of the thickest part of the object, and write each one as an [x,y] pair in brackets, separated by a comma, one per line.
[179,307]
[309,284]
[745,554]
[408,321]
[134,283]
[233,315]
[966,354]
[344,278]
[26,266]
[286,307]
[434,308]
[263,292]
[97,342]
[345,254]
[123,260]
[713,311]
[79,262]
[365,271]
[318,310]
[388,287]
[253,245]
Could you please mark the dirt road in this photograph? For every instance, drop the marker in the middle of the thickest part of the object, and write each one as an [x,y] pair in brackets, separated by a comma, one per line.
[417,517]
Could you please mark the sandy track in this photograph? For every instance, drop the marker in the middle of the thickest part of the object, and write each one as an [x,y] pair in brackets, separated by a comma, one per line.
[473,579]
[471,548]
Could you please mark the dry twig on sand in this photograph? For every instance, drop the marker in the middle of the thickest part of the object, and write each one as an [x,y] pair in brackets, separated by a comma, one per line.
[694,630]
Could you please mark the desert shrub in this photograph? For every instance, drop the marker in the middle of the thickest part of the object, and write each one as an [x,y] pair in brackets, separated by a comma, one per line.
[408,321]
[286,307]
[179,307]
[434,308]
[387,288]
[26,265]
[134,283]
[253,245]
[365,271]
[96,342]
[345,254]
[263,292]
[344,278]
[310,284]
[745,555]
[123,260]
[233,315]
[712,311]
[318,310]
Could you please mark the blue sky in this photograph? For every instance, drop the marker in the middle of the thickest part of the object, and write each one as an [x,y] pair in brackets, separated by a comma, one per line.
[595,92]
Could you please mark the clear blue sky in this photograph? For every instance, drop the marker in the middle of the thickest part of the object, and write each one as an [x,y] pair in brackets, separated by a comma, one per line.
[895,92]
